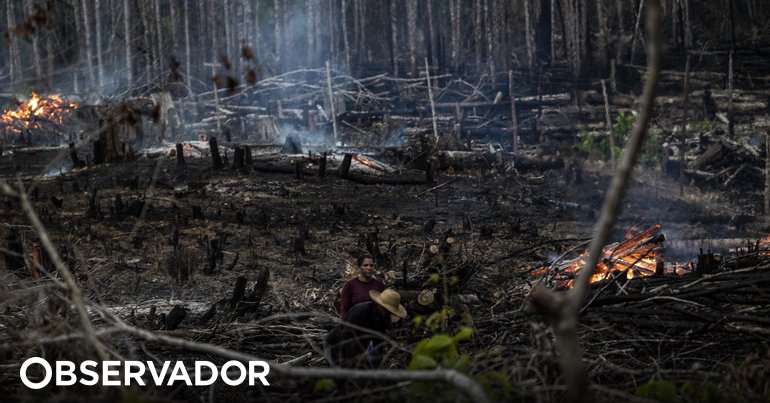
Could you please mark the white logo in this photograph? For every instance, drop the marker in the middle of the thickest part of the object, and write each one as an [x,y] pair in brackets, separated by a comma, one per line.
[125,373]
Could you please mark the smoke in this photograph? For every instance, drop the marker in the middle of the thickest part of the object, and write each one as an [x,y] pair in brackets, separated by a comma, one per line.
[317,141]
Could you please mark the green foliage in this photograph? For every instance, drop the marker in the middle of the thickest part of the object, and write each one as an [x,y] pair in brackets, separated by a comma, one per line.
[623,125]
[703,126]
[442,351]
[598,147]
[652,151]
[133,395]
[435,320]
[664,391]
[325,385]
[689,392]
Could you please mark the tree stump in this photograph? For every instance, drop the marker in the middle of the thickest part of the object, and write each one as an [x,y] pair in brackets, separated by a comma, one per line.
[216,159]
[180,155]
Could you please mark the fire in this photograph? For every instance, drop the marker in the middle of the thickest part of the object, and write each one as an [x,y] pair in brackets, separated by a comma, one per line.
[362,160]
[637,256]
[36,109]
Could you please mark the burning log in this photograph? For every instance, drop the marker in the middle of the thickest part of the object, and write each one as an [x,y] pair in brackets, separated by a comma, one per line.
[637,256]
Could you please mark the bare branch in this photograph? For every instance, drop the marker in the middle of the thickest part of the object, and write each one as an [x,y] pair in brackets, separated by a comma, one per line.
[561,310]
[69,280]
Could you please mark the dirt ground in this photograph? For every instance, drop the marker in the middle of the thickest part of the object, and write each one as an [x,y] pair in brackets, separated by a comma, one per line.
[503,226]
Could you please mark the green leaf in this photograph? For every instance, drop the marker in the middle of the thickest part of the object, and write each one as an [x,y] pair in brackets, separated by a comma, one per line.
[462,364]
[420,347]
[434,278]
[439,343]
[662,390]
[689,392]
[435,319]
[325,385]
[464,334]
[421,361]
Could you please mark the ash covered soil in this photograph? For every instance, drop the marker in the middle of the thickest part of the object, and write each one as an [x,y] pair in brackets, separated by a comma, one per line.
[308,233]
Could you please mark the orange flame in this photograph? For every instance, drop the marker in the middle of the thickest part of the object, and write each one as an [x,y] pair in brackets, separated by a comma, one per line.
[52,109]
[362,160]
[636,257]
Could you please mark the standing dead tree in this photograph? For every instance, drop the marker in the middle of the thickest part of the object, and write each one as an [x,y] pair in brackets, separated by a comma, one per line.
[561,309]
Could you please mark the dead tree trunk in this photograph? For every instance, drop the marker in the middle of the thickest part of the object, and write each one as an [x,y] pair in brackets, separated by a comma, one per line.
[345,166]
[238,158]
[528,34]
[685,110]
[322,166]
[514,117]
[180,155]
[767,174]
[730,105]
[216,159]
[608,122]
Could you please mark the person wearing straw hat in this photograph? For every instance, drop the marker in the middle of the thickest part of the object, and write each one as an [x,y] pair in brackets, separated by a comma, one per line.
[349,346]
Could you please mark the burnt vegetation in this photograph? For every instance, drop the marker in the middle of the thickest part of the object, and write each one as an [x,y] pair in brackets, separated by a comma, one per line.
[194,179]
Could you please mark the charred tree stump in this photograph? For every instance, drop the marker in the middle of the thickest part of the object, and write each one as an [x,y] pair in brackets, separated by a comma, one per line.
[76,162]
[180,155]
[248,160]
[175,239]
[214,254]
[210,313]
[238,158]
[372,242]
[707,263]
[322,165]
[93,205]
[119,207]
[175,317]
[14,251]
[298,246]
[299,168]
[108,147]
[239,291]
[211,264]
[216,159]
[345,166]
[178,264]
[251,304]
[232,264]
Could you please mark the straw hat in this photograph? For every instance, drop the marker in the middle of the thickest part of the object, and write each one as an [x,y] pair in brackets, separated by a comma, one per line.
[389,299]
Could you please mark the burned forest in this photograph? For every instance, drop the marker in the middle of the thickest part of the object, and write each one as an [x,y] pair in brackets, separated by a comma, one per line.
[570,198]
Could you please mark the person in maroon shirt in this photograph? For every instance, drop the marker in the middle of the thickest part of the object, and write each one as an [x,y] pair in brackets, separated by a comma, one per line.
[356,290]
